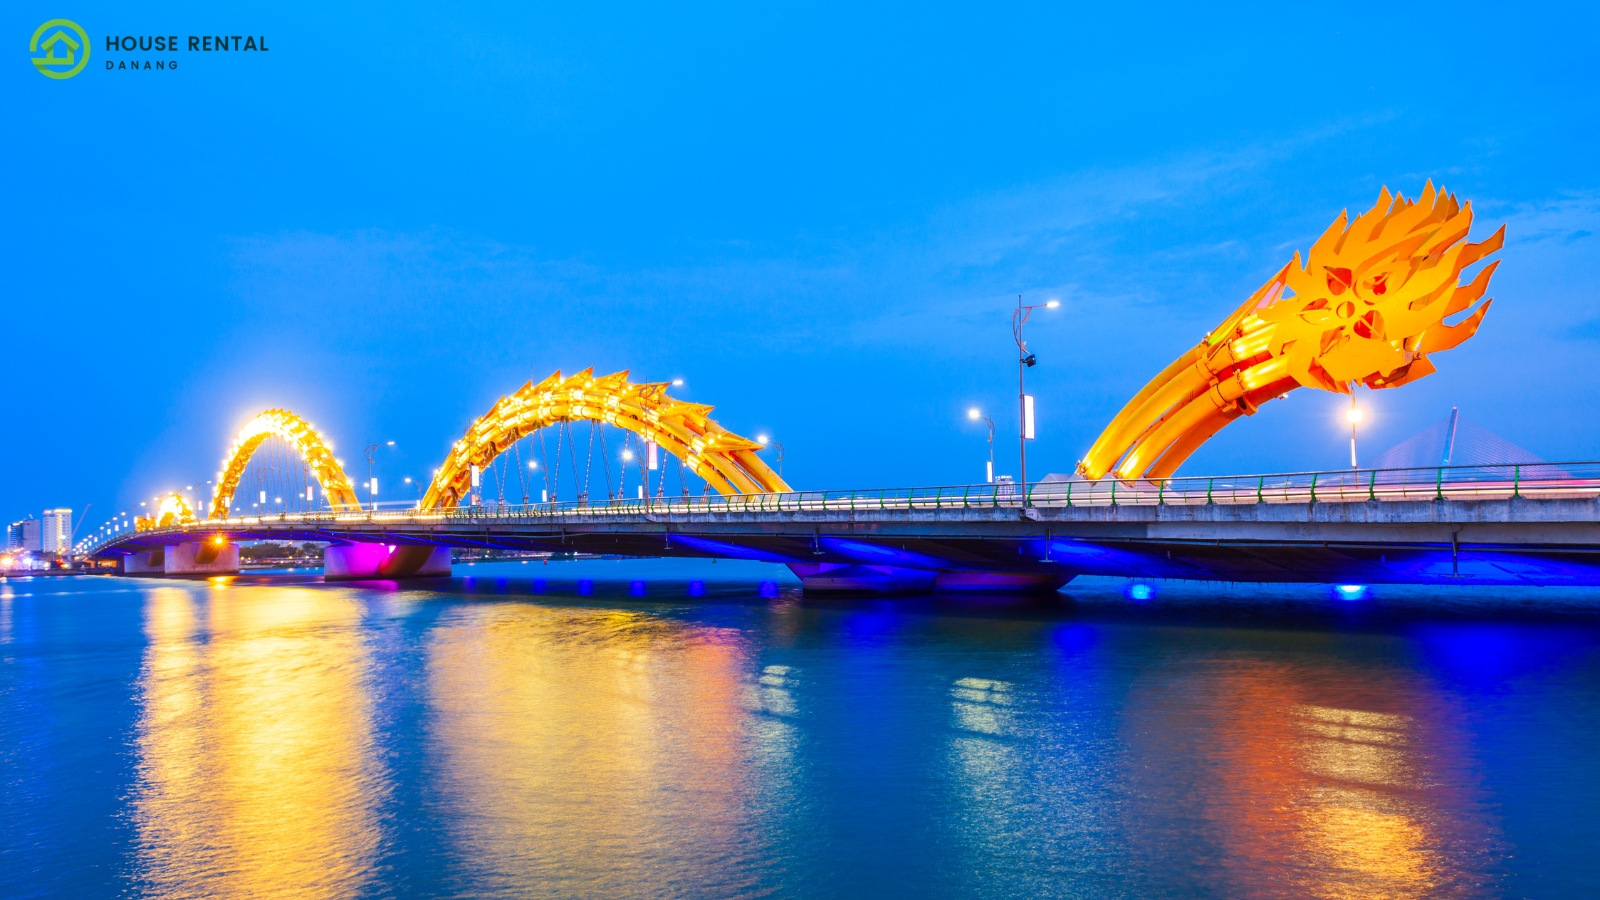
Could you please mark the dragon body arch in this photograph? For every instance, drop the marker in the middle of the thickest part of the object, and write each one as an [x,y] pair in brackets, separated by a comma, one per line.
[313,449]
[725,460]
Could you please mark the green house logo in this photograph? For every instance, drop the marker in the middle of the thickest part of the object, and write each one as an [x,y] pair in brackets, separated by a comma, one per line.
[65,48]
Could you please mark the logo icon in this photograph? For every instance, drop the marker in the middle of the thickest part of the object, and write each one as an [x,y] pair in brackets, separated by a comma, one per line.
[66,49]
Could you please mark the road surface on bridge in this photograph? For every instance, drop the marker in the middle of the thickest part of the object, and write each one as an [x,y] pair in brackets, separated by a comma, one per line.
[1536,525]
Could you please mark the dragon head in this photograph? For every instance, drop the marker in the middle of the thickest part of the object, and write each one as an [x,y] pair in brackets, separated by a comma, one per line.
[172,511]
[1367,305]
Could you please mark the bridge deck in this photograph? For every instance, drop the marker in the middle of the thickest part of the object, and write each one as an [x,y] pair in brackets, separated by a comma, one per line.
[1512,531]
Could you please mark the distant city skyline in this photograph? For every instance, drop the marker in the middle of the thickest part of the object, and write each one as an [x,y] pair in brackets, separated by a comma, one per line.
[817,218]
[50,533]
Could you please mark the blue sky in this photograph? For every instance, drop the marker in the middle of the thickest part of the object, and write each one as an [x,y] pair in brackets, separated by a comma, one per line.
[818,216]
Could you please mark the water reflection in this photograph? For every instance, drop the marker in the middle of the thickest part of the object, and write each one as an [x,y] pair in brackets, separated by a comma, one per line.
[1321,778]
[256,775]
[312,741]
[588,752]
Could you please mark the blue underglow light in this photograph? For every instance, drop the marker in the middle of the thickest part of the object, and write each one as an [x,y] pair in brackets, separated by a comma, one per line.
[769,589]
[1351,591]
[585,587]
[697,588]
[1140,592]
[636,588]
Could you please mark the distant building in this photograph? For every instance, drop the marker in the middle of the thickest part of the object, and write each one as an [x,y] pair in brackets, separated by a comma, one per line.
[23,535]
[55,532]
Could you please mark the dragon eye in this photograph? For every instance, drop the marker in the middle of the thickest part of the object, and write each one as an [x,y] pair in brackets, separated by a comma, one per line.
[1339,280]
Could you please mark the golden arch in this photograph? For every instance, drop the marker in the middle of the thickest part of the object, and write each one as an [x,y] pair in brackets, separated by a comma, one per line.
[1368,305]
[315,451]
[725,460]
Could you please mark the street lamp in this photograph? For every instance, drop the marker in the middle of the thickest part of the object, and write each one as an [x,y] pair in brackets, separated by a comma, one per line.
[1025,361]
[975,414]
[764,440]
[372,483]
[1353,415]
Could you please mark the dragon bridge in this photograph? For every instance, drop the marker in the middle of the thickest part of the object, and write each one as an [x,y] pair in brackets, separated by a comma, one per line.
[1368,305]
[312,448]
[726,461]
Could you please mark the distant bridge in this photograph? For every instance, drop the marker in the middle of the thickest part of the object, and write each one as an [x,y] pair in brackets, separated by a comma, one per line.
[1514,524]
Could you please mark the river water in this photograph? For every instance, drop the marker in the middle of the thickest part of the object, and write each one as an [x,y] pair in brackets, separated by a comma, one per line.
[669,729]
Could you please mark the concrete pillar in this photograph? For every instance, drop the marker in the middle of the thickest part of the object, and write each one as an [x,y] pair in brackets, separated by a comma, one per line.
[353,562]
[146,562]
[862,579]
[212,556]
[1002,582]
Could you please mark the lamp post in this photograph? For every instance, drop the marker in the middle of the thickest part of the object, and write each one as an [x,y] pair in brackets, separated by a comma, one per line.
[975,414]
[1353,415]
[1025,361]
[764,440]
[372,484]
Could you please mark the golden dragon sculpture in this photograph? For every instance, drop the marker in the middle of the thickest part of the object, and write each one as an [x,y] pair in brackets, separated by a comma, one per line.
[1368,306]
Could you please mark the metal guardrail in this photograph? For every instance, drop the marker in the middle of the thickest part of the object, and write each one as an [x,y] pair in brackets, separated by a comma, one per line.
[1577,480]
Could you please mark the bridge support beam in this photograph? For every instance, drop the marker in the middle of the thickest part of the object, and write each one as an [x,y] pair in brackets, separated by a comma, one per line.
[865,579]
[844,578]
[1003,582]
[213,556]
[145,562]
[357,562]
[207,557]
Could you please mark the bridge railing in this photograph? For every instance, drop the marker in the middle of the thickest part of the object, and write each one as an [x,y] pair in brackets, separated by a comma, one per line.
[1543,481]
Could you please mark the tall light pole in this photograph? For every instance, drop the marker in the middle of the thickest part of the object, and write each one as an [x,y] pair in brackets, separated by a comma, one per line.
[1025,361]
[1354,416]
[372,484]
[764,440]
[976,414]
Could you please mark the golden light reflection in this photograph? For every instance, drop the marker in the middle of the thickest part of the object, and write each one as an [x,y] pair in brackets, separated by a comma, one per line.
[1317,780]
[257,776]
[590,752]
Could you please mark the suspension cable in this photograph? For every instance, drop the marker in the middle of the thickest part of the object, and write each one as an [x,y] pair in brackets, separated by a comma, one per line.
[522,477]
[549,491]
[605,458]
[555,488]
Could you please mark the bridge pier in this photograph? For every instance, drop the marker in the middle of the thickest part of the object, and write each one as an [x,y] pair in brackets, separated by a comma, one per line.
[146,562]
[850,578]
[1003,582]
[212,556]
[868,579]
[358,562]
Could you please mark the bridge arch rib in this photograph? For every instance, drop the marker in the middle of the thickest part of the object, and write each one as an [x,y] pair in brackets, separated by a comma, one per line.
[312,448]
[725,460]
